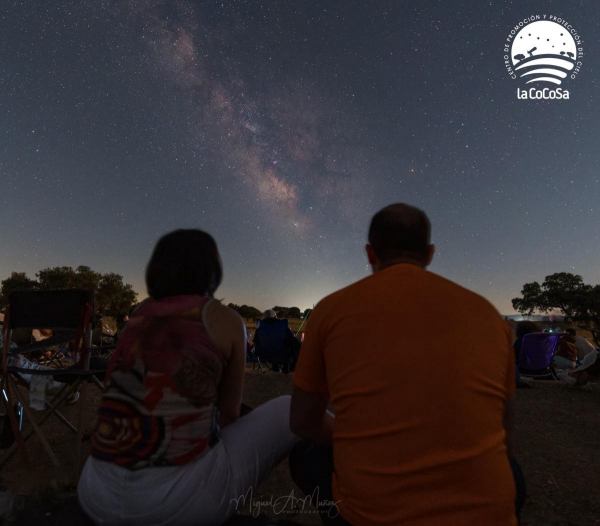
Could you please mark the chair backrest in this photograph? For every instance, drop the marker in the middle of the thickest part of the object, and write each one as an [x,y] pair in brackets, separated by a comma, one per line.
[49,309]
[271,338]
[538,350]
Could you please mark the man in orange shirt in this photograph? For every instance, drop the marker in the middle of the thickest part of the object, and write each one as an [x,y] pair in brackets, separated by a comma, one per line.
[423,445]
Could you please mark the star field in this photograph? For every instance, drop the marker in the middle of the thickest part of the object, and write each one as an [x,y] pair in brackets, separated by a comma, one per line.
[281,128]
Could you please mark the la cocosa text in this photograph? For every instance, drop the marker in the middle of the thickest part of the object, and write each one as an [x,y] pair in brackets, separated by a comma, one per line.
[546,93]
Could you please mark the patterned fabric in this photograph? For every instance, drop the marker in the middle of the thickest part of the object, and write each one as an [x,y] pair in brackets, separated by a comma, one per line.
[160,405]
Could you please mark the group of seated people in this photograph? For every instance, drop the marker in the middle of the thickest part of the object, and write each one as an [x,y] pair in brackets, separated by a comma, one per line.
[368,441]
[578,359]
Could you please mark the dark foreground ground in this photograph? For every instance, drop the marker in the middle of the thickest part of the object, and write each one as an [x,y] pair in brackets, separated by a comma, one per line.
[558,447]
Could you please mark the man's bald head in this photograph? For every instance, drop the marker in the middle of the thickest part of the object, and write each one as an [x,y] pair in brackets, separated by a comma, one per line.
[401,232]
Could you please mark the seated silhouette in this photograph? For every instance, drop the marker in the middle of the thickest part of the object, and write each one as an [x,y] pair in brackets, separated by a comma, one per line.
[275,343]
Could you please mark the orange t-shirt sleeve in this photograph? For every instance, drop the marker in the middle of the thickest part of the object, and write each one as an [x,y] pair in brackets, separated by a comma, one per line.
[310,372]
[511,373]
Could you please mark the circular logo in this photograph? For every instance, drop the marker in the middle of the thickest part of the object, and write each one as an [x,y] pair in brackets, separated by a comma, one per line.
[543,51]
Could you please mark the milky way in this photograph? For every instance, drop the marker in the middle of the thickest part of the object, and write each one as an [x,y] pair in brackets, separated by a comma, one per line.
[281,128]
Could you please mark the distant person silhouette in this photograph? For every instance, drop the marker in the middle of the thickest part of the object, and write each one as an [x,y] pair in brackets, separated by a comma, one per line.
[565,356]
[290,346]
[583,346]
[588,371]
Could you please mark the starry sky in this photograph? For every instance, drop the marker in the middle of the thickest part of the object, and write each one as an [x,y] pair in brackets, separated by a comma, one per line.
[281,128]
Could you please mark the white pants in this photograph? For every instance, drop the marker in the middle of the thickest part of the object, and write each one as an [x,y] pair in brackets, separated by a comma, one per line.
[206,491]
[563,363]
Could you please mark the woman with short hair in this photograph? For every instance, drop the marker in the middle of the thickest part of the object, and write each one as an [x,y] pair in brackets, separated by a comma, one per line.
[169,446]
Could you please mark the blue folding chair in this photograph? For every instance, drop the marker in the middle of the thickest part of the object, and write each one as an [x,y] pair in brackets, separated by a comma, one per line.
[270,344]
[536,356]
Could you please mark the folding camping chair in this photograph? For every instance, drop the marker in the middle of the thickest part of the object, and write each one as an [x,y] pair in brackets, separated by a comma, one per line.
[537,352]
[252,357]
[271,348]
[68,313]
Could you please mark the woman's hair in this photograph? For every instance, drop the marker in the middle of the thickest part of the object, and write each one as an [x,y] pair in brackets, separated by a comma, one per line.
[184,262]
[526,327]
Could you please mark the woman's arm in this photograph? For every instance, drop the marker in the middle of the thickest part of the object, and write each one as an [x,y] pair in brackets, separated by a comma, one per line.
[229,333]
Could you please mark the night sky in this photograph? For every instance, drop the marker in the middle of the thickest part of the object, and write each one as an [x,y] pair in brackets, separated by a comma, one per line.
[281,128]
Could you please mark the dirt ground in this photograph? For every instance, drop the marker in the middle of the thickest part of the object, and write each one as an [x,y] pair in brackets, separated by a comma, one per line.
[558,447]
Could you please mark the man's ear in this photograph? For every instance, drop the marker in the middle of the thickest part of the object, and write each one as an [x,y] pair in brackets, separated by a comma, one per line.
[430,253]
[371,254]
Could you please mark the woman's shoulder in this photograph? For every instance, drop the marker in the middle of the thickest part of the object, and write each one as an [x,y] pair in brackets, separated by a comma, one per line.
[217,314]
[223,325]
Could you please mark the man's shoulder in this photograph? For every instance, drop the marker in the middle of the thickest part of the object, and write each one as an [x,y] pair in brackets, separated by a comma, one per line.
[443,289]
[465,294]
[328,302]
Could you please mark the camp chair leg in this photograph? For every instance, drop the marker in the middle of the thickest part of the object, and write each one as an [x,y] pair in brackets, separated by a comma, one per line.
[98,384]
[77,449]
[65,392]
[19,443]
[62,418]
[85,358]
[34,424]
[60,397]
[56,361]
[53,359]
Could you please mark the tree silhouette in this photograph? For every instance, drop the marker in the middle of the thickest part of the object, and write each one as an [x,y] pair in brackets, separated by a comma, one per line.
[16,281]
[246,311]
[287,312]
[570,54]
[519,57]
[567,293]
[113,297]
